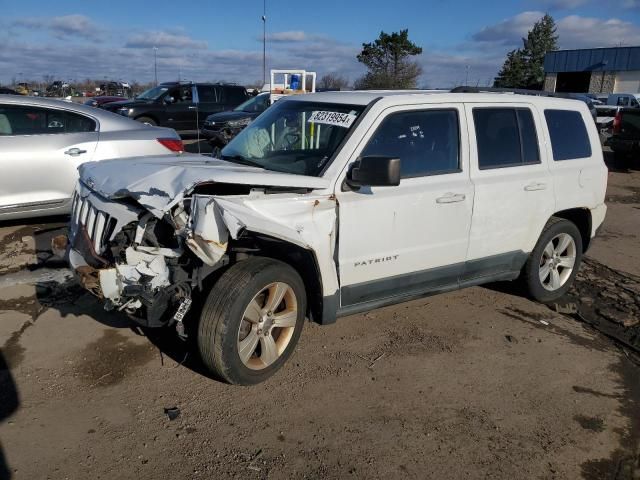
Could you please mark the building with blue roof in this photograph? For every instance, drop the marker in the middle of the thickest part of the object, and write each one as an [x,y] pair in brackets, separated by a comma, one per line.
[593,70]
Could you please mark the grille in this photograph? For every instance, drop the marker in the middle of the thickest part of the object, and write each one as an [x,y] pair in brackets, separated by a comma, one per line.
[98,225]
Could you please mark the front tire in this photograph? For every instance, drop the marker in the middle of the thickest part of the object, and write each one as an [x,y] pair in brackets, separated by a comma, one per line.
[554,262]
[252,320]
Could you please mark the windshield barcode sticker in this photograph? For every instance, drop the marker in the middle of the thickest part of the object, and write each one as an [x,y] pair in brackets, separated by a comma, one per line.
[337,119]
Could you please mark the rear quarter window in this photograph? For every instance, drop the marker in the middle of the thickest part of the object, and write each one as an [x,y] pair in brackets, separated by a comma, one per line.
[569,137]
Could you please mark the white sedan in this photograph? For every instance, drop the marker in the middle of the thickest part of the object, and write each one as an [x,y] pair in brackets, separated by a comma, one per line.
[43,141]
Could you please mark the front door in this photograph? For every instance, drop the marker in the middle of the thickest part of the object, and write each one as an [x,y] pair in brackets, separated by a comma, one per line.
[398,242]
[41,151]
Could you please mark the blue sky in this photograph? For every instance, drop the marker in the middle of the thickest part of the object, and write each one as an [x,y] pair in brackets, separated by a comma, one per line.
[207,40]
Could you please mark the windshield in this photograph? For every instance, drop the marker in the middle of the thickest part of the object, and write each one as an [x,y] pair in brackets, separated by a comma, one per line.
[254,105]
[152,94]
[293,137]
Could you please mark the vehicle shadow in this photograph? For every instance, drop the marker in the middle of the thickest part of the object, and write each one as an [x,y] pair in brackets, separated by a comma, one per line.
[621,163]
[9,403]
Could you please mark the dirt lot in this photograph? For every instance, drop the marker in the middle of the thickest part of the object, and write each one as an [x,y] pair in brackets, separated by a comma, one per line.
[480,383]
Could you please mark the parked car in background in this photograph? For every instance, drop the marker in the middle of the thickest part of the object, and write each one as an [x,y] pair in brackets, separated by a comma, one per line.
[183,106]
[591,103]
[625,133]
[624,100]
[120,89]
[220,128]
[330,204]
[99,101]
[43,141]
[8,91]
[598,98]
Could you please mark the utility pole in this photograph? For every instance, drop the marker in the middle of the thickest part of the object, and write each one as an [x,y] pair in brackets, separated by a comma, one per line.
[155,64]
[466,82]
[264,42]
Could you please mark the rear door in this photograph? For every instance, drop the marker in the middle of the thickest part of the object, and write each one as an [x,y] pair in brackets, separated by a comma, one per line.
[41,151]
[514,194]
[208,101]
[232,96]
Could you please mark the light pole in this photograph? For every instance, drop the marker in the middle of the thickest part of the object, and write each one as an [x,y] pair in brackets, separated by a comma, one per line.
[155,64]
[466,82]
[264,42]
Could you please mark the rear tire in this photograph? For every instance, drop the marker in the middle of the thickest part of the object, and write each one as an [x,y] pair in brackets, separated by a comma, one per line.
[147,121]
[252,320]
[554,262]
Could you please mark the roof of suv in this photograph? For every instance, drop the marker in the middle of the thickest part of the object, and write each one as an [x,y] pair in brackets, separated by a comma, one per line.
[171,84]
[365,97]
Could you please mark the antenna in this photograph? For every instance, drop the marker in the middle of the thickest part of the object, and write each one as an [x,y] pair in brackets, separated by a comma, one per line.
[264,42]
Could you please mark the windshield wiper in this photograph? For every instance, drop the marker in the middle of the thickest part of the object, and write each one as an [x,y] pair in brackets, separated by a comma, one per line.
[240,159]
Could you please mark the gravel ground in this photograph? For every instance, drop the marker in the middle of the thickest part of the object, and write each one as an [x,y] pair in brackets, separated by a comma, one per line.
[480,383]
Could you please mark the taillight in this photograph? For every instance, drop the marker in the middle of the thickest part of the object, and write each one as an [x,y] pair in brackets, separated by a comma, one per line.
[175,145]
[617,123]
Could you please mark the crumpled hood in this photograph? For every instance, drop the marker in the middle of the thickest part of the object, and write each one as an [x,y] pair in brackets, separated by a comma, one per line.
[158,183]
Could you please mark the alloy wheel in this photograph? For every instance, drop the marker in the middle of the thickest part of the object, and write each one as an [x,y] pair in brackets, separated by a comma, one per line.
[267,326]
[557,262]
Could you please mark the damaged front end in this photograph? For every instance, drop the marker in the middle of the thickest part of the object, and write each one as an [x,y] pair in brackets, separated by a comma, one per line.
[148,262]
[124,255]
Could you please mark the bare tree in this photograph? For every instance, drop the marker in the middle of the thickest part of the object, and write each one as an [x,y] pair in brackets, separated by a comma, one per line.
[333,81]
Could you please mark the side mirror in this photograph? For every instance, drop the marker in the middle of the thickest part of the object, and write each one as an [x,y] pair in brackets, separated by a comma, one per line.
[375,172]
[169,99]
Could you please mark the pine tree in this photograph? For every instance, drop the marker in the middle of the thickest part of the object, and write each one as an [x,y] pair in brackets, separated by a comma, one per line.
[513,73]
[388,62]
[524,67]
[540,40]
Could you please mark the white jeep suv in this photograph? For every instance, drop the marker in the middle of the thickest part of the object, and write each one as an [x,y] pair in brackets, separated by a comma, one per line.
[335,203]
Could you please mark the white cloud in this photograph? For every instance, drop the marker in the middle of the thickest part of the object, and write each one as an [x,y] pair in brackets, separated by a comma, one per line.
[563,4]
[163,39]
[585,32]
[290,36]
[63,26]
[510,30]
[574,31]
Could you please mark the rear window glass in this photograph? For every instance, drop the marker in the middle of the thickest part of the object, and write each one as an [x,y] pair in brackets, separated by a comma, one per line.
[26,120]
[506,137]
[233,96]
[207,93]
[569,137]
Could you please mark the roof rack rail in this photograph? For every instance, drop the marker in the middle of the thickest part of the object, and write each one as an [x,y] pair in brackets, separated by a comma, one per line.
[517,91]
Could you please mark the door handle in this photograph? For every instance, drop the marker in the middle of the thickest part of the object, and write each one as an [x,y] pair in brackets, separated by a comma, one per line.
[451,198]
[533,187]
[193,108]
[74,152]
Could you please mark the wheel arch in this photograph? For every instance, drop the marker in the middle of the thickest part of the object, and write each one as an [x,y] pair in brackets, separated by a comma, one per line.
[147,115]
[581,218]
[302,260]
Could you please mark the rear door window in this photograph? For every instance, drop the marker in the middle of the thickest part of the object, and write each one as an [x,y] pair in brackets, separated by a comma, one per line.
[506,137]
[207,94]
[19,120]
[569,137]
[232,95]
[427,142]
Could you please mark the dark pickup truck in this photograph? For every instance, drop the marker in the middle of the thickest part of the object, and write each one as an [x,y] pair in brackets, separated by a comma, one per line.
[625,134]
[183,106]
